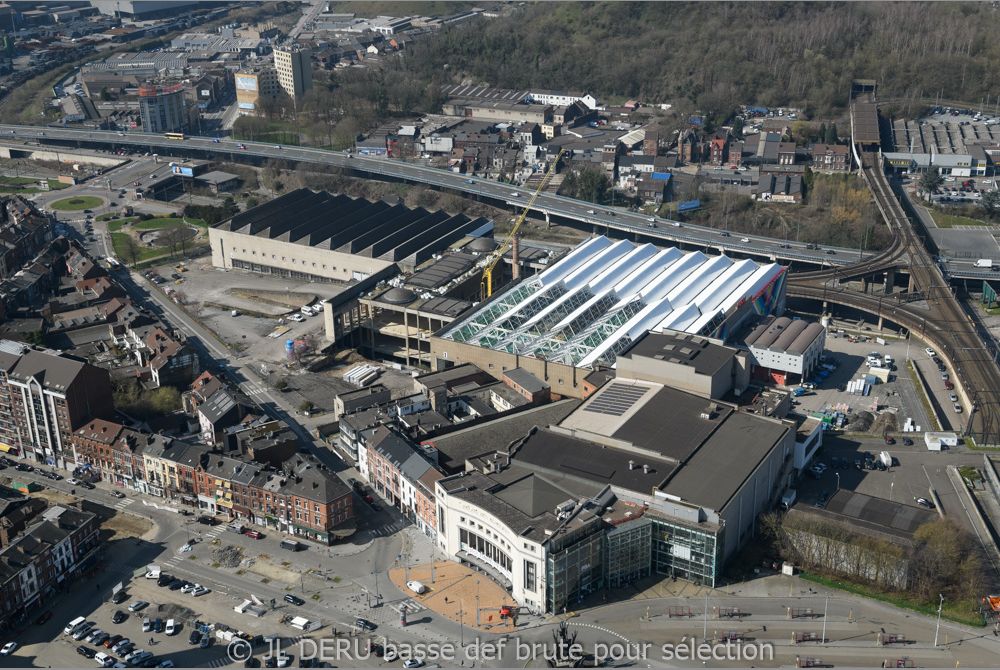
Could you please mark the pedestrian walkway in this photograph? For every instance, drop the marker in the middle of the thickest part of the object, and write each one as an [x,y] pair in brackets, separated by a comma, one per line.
[123,503]
[458,593]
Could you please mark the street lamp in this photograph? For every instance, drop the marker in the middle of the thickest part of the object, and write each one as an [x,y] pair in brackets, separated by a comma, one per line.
[838,480]
[937,628]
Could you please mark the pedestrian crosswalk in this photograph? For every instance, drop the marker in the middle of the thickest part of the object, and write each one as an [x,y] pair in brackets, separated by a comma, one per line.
[389,528]
[253,390]
[123,503]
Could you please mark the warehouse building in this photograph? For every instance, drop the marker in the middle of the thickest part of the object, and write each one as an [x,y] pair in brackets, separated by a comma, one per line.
[786,351]
[318,236]
[601,297]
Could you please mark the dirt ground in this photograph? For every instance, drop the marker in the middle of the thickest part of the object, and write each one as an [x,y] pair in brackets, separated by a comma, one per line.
[123,525]
[454,589]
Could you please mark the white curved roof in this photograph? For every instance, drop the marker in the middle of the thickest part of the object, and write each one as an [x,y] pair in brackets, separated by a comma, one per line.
[603,295]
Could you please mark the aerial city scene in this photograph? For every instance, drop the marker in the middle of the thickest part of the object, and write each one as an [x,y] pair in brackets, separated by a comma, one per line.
[502,334]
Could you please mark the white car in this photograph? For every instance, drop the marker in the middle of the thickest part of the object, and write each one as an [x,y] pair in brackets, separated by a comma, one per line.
[930,352]
[188,588]
[172,628]
[515,194]
[73,480]
[296,317]
[200,590]
[8,649]
[306,311]
[413,663]
[590,211]
[416,587]
[282,661]
[745,240]
[185,548]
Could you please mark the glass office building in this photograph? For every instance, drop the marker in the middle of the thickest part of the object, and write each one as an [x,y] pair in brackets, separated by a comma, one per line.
[574,567]
[686,552]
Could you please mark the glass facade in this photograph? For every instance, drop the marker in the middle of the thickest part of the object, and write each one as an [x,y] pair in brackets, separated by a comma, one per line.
[480,547]
[630,552]
[574,568]
[684,552]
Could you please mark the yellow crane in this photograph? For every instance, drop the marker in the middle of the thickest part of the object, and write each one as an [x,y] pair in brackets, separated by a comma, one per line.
[497,255]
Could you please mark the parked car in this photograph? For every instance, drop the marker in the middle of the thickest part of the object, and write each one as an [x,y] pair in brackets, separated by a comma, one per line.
[43,617]
[194,637]
[907,442]
[119,617]
[924,502]
[118,494]
[85,651]
[138,605]
[112,641]
[294,600]
[364,624]
[8,649]
[255,534]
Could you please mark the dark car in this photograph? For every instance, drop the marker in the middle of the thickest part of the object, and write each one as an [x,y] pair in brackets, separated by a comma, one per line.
[858,464]
[207,520]
[176,584]
[43,617]
[87,485]
[206,641]
[164,579]
[194,637]
[119,617]
[119,597]
[158,625]
[294,600]
[23,467]
[364,624]
[112,641]
[889,439]
[907,442]
[86,651]
[251,663]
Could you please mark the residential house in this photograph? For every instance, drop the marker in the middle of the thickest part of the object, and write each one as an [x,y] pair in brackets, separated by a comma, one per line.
[779,188]
[170,362]
[786,153]
[395,467]
[652,191]
[717,150]
[528,134]
[57,549]
[200,390]
[831,157]
[223,409]
[17,512]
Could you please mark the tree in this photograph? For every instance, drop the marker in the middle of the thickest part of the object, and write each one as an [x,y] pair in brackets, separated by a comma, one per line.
[830,134]
[173,238]
[929,182]
[991,203]
[130,249]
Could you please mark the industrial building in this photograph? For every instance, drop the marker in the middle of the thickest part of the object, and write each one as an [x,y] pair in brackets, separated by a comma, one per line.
[786,351]
[602,499]
[318,236]
[602,296]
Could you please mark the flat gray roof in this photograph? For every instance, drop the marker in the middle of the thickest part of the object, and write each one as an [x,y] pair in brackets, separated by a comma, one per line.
[705,356]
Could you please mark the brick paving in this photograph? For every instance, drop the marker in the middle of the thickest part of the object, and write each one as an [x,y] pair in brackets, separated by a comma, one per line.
[453,589]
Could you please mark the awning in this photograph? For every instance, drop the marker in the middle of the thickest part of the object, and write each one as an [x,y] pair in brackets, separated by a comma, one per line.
[7,448]
[487,568]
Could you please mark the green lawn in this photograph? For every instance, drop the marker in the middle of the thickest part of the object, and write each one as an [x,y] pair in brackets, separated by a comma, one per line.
[76,203]
[145,253]
[106,217]
[118,224]
[961,611]
[942,220]
[28,185]
[168,222]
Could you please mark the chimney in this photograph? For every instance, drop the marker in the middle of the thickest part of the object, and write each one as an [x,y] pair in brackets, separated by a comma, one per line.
[515,258]
[631,465]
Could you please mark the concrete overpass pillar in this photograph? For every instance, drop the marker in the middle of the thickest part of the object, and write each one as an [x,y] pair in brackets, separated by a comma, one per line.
[890,280]
[864,284]
[911,286]
[548,222]
[880,322]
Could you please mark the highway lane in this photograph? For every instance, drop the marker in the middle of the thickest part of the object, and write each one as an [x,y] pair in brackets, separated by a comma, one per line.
[559,206]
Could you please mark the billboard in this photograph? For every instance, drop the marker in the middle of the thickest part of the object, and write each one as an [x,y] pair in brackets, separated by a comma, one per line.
[245,83]
[182,170]
[245,105]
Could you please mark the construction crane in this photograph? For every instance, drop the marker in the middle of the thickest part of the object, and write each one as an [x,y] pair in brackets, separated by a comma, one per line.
[497,255]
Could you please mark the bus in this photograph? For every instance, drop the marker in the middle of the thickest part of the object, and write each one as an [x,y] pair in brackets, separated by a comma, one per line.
[174,136]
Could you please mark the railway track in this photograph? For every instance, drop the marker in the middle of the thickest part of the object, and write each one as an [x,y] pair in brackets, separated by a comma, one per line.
[966,345]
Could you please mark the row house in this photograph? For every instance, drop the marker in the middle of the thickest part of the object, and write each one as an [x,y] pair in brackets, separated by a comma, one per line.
[62,546]
[200,390]
[403,474]
[119,455]
[44,397]
[17,512]
[302,498]
[24,232]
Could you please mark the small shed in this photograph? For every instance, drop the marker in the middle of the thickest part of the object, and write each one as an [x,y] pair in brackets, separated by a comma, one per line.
[937,441]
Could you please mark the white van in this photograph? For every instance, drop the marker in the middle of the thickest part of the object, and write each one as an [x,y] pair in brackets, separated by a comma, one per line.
[103,660]
[171,627]
[71,626]
[416,587]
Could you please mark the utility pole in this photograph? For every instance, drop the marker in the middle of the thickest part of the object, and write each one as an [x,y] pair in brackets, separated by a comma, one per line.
[825,609]
[704,630]
[937,628]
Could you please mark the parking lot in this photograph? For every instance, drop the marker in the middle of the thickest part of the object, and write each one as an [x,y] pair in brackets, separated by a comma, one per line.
[900,395]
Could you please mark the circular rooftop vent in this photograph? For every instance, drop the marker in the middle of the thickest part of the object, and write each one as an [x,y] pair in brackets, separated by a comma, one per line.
[482,244]
[398,296]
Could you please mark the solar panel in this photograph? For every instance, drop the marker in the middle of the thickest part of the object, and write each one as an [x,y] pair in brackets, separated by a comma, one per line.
[617,399]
